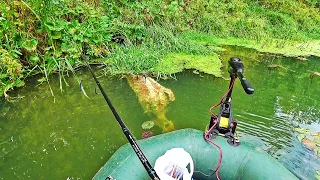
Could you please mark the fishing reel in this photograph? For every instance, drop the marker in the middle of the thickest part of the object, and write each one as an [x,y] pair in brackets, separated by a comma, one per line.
[223,124]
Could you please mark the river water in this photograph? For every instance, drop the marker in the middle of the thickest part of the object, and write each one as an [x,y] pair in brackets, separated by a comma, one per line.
[71,136]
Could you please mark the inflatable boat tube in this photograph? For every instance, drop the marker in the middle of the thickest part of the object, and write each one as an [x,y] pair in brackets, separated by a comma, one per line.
[242,162]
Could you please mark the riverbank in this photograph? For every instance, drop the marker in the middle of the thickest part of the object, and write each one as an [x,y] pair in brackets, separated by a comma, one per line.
[289,48]
[142,37]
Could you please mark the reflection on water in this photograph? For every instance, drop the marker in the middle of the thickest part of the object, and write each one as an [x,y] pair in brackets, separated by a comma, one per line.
[42,137]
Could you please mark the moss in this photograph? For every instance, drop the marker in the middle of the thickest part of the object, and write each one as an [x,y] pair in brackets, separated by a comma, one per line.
[177,62]
[287,48]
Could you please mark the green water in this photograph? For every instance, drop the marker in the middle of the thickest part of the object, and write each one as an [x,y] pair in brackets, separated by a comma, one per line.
[69,135]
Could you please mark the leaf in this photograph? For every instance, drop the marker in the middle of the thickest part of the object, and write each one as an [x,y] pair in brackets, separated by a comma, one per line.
[75,23]
[3,76]
[8,86]
[79,10]
[34,59]
[16,15]
[50,26]
[57,53]
[147,125]
[72,31]
[17,3]
[56,35]
[78,37]
[19,83]
[30,45]
[174,3]
[56,26]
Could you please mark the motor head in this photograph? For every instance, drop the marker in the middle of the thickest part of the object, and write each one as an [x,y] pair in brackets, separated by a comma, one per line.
[236,65]
[237,68]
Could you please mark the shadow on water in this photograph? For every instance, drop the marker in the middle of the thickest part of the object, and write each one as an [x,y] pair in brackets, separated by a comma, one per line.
[72,136]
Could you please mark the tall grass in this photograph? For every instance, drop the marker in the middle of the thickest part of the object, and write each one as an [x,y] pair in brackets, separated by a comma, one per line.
[143,58]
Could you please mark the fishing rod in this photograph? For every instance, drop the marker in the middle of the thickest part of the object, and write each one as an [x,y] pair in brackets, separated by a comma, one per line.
[151,172]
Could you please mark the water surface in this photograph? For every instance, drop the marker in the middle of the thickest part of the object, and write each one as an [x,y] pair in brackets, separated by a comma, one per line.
[69,135]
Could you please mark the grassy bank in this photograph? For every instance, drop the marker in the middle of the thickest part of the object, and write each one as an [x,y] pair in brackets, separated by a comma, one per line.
[144,37]
[289,48]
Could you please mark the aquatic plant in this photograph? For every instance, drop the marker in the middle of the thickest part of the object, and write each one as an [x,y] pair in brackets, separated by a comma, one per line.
[151,94]
[147,125]
[146,134]
[153,98]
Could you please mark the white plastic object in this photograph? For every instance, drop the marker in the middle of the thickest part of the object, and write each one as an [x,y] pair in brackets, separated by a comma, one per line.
[173,165]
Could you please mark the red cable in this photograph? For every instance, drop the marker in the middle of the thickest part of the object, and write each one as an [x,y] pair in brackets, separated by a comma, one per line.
[207,133]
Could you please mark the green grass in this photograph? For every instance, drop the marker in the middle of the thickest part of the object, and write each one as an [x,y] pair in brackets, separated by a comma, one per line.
[138,36]
[148,57]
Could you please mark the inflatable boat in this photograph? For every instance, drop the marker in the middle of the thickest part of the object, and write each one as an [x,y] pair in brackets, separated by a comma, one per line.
[245,161]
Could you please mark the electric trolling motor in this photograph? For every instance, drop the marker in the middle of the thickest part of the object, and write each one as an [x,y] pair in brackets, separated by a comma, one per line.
[226,125]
